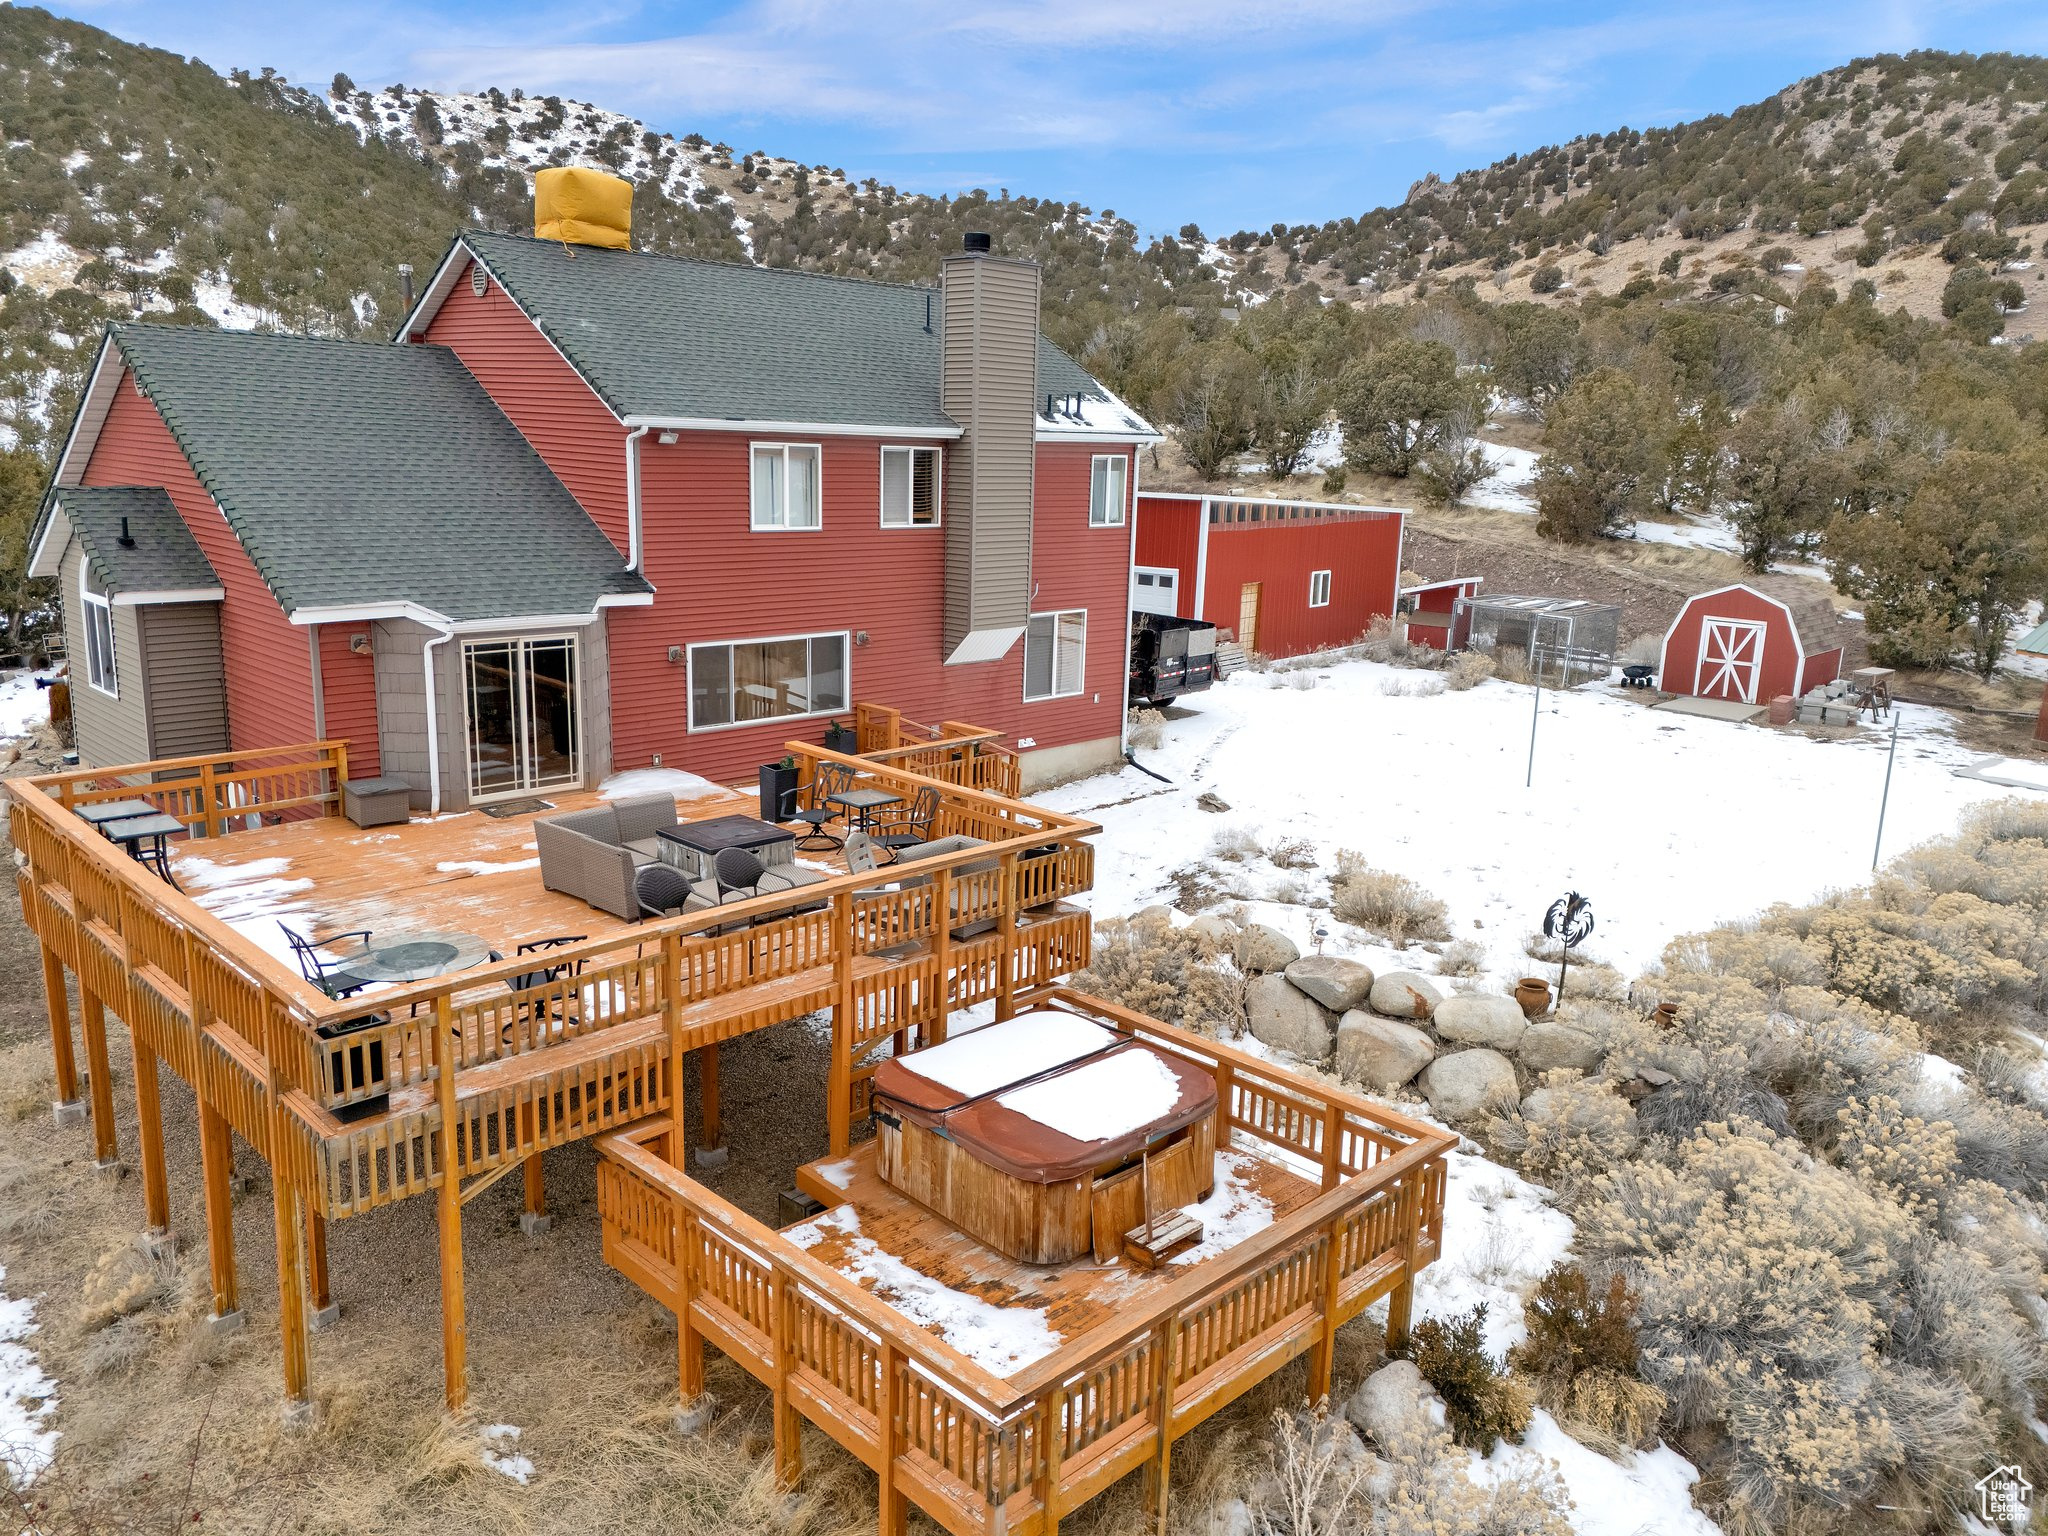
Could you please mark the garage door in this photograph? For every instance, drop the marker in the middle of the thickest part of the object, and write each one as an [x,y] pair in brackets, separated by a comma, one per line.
[1154,589]
[1731,657]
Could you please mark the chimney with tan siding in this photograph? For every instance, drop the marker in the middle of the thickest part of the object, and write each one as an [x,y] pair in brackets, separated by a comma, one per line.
[989,386]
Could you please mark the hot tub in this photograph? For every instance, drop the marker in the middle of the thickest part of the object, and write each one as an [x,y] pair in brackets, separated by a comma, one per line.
[1044,1135]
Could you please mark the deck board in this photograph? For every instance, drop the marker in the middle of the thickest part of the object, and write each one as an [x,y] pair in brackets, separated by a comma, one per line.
[1074,1297]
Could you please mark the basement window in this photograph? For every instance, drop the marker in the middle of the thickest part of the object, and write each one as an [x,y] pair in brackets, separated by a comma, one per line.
[1319,589]
[98,616]
[910,487]
[738,682]
[1055,645]
[1106,490]
[785,488]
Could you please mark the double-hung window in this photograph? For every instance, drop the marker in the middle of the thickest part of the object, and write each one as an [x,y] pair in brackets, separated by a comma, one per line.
[910,487]
[1319,589]
[98,615]
[737,682]
[785,489]
[1106,485]
[1055,644]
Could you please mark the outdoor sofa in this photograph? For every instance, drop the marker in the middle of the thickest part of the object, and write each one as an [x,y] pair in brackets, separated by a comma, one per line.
[593,855]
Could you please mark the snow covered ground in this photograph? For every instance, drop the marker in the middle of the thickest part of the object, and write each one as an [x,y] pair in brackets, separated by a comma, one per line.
[26,1395]
[23,706]
[1668,824]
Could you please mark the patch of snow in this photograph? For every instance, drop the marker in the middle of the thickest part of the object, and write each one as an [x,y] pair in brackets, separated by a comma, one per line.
[1326,447]
[1939,1072]
[2011,772]
[23,706]
[216,296]
[1693,533]
[485,867]
[658,781]
[1234,1212]
[1507,488]
[199,874]
[27,1396]
[1500,1235]
[253,898]
[501,1453]
[1645,1493]
[1103,1100]
[984,1060]
[1001,1340]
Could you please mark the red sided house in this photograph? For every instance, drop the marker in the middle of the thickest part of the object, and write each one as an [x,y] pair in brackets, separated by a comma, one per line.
[1736,643]
[1281,577]
[600,510]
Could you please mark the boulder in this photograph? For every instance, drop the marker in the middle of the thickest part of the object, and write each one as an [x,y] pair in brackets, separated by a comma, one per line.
[1215,927]
[1546,1047]
[1289,1020]
[1466,1084]
[1156,916]
[1393,1404]
[1380,1053]
[1472,1019]
[1339,985]
[1260,948]
[1405,995]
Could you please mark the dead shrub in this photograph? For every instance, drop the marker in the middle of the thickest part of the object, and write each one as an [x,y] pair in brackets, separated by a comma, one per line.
[1235,845]
[1170,973]
[1145,730]
[1386,641]
[1388,904]
[1482,1403]
[1293,853]
[1316,1483]
[1462,957]
[1468,669]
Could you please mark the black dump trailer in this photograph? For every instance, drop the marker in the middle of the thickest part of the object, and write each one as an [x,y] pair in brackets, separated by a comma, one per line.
[1170,657]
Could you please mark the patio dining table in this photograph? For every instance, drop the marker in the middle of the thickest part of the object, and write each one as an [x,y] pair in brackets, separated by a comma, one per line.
[100,812]
[417,956]
[864,803]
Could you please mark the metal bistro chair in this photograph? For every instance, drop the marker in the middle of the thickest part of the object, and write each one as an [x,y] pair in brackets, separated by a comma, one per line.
[352,1068]
[337,981]
[818,811]
[914,826]
[526,980]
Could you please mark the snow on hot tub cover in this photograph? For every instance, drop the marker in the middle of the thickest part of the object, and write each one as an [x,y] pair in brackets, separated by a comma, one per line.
[994,1057]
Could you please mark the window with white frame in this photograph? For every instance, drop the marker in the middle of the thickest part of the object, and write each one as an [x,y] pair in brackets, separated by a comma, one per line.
[910,487]
[1319,589]
[737,682]
[1055,645]
[98,615]
[785,492]
[1106,482]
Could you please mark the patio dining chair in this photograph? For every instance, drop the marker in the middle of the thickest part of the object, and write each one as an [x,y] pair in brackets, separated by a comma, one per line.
[526,980]
[337,981]
[914,826]
[817,811]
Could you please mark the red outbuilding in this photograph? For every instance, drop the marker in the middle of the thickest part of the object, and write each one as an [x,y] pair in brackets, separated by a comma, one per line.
[1432,608]
[1281,577]
[1736,643]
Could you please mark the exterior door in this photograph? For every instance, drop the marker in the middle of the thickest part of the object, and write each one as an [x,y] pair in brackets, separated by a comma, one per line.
[1155,589]
[519,702]
[1248,615]
[1731,659]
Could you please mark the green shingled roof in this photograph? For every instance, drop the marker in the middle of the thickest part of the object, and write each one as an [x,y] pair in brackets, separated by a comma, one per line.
[160,555]
[671,337]
[358,473]
[2035,643]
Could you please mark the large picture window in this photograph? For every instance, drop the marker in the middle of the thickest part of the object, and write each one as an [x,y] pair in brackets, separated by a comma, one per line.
[738,682]
[910,487]
[785,490]
[1106,490]
[1055,645]
[98,615]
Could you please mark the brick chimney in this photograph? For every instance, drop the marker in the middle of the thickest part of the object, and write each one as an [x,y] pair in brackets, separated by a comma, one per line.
[989,386]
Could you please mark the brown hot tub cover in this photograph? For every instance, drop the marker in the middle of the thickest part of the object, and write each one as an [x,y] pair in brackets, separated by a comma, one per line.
[1065,1110]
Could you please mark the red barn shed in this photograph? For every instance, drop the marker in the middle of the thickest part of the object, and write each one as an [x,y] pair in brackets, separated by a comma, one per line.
[1432,608]
[1737,643]
[1282,577]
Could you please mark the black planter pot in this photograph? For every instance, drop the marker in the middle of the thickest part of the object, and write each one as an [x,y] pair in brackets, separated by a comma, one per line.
[357,1066]
[778,792]
[841,738]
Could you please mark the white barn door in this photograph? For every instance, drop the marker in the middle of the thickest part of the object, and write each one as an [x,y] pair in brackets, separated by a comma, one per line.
[1731,659]
[1155,589]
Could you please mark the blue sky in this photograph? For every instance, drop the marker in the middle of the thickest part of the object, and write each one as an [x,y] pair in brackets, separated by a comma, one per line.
[1231,113]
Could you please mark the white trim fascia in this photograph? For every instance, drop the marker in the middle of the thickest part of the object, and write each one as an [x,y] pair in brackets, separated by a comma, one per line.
[94,403]
[362,613]
[37,565]
[171,595]
[898,434]
[1055,435]
[1280,501]
[1202,561]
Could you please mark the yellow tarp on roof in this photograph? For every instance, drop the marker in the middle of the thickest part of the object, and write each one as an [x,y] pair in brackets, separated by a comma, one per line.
[583,207]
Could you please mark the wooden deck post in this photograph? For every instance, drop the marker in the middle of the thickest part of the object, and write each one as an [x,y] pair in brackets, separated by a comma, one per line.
[149,1134]
[942,953]
[99,1079]
[291,1293]
[689,1342]
[672,1024]
[839,1079]
[217,1168]
[789,1450]
[1052,1449]
[1006,978]
[894,1508]
[454,1325]
[319,1295]
[1401,1300]
[533,1216]
[711,1130]
[1322,1358]
[1158,1471]
[67,1107]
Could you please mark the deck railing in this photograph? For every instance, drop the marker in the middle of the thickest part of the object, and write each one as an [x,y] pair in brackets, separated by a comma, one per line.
[996,1452]
[217,792]
[952,751]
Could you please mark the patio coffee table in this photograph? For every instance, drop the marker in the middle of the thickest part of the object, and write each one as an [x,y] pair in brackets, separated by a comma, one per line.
[417,956]
[692,845]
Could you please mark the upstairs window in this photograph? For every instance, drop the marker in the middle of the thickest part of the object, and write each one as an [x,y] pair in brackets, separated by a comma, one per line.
[1106,490]
[1055,644]
[1319,589]
[785,486]
[98,615]
[910,487]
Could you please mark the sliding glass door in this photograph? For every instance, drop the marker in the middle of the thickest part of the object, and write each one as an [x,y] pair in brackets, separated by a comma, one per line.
[520,700]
